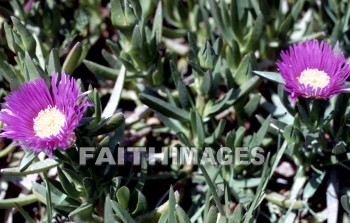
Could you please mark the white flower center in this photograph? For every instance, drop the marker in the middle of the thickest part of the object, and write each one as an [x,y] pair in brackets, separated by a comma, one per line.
[49,122]
[314,78]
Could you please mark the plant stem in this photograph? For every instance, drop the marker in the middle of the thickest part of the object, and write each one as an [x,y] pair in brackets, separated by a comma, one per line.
[48,199]
[22,201]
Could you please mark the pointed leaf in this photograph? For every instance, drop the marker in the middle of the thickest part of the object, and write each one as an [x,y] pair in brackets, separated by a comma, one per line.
[123,196]
[54,65]
[164,107]
[33,168]
[72,60]
[272,76]
[122,214]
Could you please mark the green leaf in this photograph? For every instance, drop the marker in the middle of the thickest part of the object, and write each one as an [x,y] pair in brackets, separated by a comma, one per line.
[172,203]
[164,217]
[33,168]
[206,83]
[158,24]
[164,107]
[66,209]
[141,205]
[24,213]
[286,24]
[181,215]
[217,133]
[339,148]
[113,101]
[142,179]
[212,215]
[255,34]
[244,70]
[183,138]
[18,8]
[297,7]
[34,71]
[313,184]
[72,60]
[74,176]
[123,196]
[206,56]
[304,114]
[136,8]
[217,46]
[98,107]
[288,133]
[89,186]
[28,158]
[108,216]
[7,72]
[114,47]
[125,14]
[238,213]
[48,199]
[222,219]
[184,95]
[9,37]
[239,136]
[264,7]
[199,129]
[344,200]
[54,65]
[58,196]
[157,76]
[68,186]
[27,38]
[107,125]
[260,190]
[123,215]
[232,97]
[226,33]
[233,54]
[82,213]
[252,104]
[127,61]
[212,190]
[111,59]
[261,133]
[272,76]
[136,39]
[22,201]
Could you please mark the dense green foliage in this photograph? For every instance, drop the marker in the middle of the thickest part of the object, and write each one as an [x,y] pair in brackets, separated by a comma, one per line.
[178,73]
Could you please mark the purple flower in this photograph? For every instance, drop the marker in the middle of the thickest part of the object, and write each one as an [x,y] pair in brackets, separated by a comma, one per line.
[313,70]
[42,118]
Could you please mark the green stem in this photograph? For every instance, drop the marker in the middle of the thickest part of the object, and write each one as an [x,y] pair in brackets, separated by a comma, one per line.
[22,201]
[7,150]
[48,199]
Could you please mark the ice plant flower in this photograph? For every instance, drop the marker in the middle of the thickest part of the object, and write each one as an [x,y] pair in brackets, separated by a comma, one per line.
[42,118]
[313,70]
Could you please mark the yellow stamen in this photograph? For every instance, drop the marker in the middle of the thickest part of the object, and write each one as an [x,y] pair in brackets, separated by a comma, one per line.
[48,122]
[314,78]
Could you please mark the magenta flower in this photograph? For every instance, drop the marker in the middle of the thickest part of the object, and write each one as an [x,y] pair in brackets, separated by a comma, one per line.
[40,118]
[313,70]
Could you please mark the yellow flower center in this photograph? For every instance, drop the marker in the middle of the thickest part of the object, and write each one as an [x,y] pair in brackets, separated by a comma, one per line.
[314,78]
[48,122]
